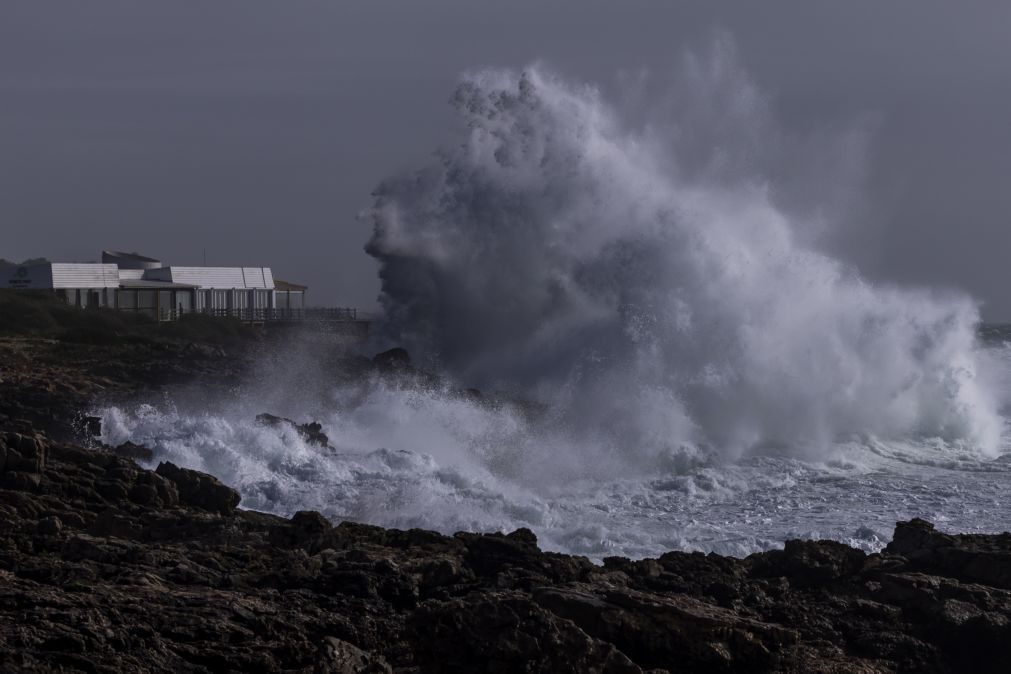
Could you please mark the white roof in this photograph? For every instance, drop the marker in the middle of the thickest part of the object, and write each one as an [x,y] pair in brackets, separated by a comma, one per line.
[61,275]
[215,277]
[109,275]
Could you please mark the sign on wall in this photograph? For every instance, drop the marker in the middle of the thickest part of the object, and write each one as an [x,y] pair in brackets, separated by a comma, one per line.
[20,278]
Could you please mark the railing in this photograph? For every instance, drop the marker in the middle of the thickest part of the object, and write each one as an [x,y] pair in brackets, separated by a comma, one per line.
[265,315]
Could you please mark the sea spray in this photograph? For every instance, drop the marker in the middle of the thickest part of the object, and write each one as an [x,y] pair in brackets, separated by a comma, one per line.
[556,251]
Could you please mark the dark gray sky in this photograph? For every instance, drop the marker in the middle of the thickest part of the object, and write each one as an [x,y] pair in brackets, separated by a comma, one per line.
[257,128]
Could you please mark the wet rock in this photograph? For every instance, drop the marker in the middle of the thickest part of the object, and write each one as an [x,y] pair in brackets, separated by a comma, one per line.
[200,490]
[307,529]
[311,432]
[151,489]
[658,631]
[20,481]
[810,561]
[978,558]
[129,450]
[90,426]
[393,360]
[50,526]
[336,656]
[196,350]
[26,453]
[106,566]
[508,632]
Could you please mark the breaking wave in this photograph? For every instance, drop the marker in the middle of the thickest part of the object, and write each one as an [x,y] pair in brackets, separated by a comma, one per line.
[658,305]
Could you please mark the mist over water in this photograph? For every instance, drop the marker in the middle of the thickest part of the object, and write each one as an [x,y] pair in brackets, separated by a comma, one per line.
[669,358]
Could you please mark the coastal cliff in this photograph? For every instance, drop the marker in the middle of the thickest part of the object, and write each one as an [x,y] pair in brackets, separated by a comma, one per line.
[106,566]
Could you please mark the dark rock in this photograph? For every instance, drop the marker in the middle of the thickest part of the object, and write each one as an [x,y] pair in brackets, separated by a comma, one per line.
[307,529]
[20,481]
[194,349]
[810,561]
[310,523]
[393,360]
[106,567]
[976,558]
[523,535]
[662,630]
[311,432]
[50,526]
[200,490]
[129,450]
[25,453]
[91,426]
[507,632]
[336,656]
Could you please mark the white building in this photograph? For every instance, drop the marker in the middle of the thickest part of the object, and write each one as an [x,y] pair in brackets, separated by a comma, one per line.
[132,282]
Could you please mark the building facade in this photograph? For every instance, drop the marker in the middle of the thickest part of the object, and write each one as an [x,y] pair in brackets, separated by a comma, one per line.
[132,282]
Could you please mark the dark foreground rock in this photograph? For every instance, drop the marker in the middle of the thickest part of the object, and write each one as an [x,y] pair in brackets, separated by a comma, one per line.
[107,567]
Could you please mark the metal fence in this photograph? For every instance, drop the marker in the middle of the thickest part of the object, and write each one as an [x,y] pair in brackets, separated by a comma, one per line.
[265,315]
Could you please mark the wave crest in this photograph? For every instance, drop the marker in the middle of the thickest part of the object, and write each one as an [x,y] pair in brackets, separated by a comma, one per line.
[559,251]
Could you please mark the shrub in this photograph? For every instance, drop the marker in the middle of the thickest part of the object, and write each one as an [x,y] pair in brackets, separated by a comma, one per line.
[209,329]
[46,315]
[42,314]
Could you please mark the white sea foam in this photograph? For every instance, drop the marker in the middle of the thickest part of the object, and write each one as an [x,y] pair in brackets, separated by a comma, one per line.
[453,474]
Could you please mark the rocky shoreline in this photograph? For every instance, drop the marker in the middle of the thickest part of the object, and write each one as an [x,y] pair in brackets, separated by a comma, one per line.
[108,567]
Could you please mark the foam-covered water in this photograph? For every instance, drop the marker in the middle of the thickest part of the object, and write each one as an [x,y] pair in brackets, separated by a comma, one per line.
[464,481]
[705,376]
[434,459]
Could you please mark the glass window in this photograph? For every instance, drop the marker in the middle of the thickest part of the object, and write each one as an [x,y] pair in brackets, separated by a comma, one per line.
[127,299]
[147,299]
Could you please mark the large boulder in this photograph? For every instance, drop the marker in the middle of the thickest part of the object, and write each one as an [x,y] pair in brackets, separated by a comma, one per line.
[977,558]
[312,432]
[200,490]
[393,360]
[24,453]
[809,562]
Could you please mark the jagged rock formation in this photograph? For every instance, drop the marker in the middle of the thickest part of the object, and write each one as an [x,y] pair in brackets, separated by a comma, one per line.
[311,432]
[109,567]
